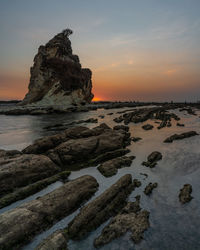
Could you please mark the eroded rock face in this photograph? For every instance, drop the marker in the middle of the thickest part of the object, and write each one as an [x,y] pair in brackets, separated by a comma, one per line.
[102,208]
[131,219]
[57,77]
[17,170]
[185,193]
[19,225]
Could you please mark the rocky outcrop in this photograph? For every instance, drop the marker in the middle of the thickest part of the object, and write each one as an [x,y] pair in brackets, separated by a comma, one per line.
[101,209]
[152,159]
[19,225]
[131,218]
[110,168]
[57,77]
[81,145]
[17,170]
[185,193]
[56,241]
[180,136]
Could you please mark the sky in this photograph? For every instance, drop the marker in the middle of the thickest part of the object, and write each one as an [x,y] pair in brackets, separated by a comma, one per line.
[142,50]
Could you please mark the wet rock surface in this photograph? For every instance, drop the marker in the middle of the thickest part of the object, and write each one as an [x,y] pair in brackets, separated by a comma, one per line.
[131,218]
[39,214]
[110,168]
[149,188]
[185,194]
[180,136]
[101,209]
[152,159]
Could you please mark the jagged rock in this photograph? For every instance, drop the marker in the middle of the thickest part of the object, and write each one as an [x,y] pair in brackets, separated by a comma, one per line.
[147,127]
[149,188]
[101,209]
[110,168]
[131,219]
[22,169]
[152,159]
[57,77]
[180,136]
[19,225]
[185,193]
[110,113]
[56,241]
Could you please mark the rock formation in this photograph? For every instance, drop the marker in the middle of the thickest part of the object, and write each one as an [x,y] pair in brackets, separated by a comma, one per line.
[57,77]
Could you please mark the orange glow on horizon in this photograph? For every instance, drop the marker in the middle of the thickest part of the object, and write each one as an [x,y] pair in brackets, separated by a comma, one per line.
[97,99]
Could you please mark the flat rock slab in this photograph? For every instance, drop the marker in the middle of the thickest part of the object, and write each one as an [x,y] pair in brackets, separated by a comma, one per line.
[101,209]
[110,168]
[130,219]
[180,136]
[185,193]
[19,225]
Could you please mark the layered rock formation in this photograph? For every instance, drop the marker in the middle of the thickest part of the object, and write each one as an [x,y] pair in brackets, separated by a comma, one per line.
[57,77]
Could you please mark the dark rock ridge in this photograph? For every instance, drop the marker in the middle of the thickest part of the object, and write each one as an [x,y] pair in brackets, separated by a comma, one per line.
[110,168]
[152,159]
[131,218]
[19,225]
[185,193]
[180,136]
[57,77]
[101,209]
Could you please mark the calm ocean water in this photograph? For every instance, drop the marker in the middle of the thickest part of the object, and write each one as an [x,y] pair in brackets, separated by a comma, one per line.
[172,225]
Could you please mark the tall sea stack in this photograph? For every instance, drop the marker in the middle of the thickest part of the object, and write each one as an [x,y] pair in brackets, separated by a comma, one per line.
[57,77]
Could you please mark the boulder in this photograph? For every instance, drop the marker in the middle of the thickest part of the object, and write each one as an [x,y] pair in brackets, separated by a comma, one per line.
[185,193]
[147,127]
[149,188]
[110,168]
[152,159]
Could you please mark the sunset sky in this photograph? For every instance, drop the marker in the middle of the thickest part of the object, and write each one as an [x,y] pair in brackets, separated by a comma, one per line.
[146,50]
